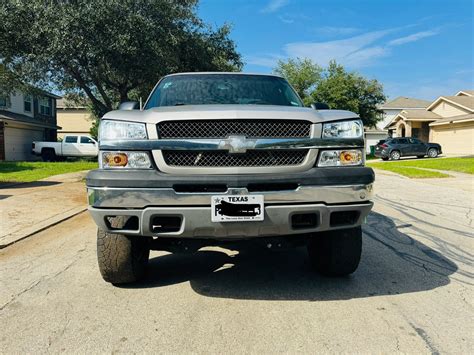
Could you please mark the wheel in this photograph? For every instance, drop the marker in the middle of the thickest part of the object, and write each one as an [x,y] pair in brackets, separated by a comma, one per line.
[395,155]
[48,155]
[385,159]
[432,152]
[122,259]
[336,253]
[420,156]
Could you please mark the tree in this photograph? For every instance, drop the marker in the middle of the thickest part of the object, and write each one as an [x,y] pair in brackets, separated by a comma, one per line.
[350,91]
[303,75]
[108,51]
[334,86]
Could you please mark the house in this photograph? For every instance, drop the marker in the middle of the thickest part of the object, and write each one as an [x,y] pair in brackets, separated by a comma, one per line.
[449,121]
[390,110]
[73,118]
[24,118]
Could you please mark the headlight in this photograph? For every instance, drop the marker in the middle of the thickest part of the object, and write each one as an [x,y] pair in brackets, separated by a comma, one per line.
[124,160]
[121,130]
[344,157]
[343,129]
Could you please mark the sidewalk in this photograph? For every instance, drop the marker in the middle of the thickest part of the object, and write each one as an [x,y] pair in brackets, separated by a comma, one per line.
[28,208]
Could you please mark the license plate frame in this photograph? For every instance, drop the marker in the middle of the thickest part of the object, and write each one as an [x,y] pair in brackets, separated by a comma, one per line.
[237,208]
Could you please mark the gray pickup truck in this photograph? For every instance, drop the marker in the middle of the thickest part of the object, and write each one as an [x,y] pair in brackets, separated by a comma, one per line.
[216,158]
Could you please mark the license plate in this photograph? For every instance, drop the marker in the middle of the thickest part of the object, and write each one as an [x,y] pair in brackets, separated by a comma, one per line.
[233,208]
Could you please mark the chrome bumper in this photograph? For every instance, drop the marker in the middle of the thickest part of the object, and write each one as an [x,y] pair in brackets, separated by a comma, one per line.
[194,210]
[110,197]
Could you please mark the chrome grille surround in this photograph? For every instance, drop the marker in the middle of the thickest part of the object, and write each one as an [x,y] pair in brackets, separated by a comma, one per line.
[308,161]
[250,128]
[220,159]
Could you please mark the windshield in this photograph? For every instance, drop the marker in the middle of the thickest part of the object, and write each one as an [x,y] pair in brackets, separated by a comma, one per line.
[226,89]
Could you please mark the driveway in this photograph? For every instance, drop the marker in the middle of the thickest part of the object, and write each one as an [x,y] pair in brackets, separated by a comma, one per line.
[412,293]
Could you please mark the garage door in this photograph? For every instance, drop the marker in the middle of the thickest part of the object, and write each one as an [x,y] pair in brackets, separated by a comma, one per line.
[455,139]
[18,142]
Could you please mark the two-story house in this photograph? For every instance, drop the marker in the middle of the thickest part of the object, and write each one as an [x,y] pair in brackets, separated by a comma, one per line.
[25,118]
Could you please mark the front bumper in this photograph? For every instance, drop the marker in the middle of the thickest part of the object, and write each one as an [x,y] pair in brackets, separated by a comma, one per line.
[145,195]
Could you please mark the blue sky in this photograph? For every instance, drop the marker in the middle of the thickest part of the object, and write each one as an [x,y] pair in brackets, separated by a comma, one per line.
[416,48]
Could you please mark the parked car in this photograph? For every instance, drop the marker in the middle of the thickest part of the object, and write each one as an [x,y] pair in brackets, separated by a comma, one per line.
[395,148]
[71,146]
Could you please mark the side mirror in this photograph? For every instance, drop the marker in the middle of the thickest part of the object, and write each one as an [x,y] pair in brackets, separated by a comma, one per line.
[129,105]
[319,106]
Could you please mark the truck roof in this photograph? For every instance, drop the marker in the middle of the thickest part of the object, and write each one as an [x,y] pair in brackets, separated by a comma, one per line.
[224,73]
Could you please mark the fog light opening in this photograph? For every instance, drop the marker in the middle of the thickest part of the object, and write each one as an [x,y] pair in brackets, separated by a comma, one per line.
[304,220]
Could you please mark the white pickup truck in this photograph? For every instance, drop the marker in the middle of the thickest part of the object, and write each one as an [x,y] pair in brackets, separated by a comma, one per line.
[71,146]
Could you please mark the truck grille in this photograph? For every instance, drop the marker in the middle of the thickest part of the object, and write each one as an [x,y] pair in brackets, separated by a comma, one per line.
[253,158]
[253,128]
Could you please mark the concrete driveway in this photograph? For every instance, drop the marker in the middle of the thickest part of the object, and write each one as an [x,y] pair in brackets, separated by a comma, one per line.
[412,293]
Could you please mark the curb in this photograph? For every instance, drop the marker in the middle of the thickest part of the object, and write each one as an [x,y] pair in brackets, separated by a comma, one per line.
[13,238]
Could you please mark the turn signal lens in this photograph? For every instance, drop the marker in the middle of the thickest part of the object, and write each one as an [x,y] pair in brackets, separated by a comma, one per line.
[350,157]
[127,160]
[341,157]
[115,159]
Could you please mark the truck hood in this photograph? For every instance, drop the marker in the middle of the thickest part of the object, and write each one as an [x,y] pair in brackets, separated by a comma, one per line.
[209,112]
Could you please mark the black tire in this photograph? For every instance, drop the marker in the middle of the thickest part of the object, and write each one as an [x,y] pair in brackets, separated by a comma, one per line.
[432,152]
[48,155]
[336,253]
[395,155]
[385,159]
[122,259]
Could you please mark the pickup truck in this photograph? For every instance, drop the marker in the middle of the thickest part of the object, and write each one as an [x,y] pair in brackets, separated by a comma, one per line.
[218,158]
[70,146]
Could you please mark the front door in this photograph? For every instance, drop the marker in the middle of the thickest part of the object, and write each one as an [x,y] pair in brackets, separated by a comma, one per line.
[87,146]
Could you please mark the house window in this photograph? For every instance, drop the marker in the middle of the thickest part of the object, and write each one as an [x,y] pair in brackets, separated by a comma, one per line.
[27,103]
[45,106]
[4,101]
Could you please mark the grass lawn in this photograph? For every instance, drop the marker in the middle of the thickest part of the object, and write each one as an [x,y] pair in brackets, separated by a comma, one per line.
[410,169]
[32,171]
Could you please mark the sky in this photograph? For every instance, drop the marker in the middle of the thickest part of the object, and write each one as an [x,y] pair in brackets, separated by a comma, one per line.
[415,48]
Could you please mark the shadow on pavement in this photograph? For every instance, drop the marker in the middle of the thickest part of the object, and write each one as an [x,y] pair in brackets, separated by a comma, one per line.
[24,185]
[392,263]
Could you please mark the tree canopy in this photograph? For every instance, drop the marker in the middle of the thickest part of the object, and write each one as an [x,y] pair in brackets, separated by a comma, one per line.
[336,87]
[108,51]
[303,75]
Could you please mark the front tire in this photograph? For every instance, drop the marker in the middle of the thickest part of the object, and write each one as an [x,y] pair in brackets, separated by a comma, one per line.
[432,152]
[395,155]
[336,253]
[122,259]
[48,155]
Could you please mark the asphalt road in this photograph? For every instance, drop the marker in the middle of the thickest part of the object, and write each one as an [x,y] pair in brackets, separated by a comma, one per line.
[412,293]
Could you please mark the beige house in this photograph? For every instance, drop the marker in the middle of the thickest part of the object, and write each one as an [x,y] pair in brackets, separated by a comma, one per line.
[73,118]
[449,121]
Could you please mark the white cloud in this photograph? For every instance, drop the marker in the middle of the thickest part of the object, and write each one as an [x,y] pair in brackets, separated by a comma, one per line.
[336,31]
[354,52]
[274,5]
[268,61]
[412,38]
[285,19]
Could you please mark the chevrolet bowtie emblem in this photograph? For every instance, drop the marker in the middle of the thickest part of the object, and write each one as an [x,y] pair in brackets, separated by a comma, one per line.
[237,144]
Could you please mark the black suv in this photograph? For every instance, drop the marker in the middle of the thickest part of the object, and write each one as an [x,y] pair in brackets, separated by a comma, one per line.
[394,148]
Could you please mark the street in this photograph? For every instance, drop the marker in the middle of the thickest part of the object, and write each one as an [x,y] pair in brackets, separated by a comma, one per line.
[413,291]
